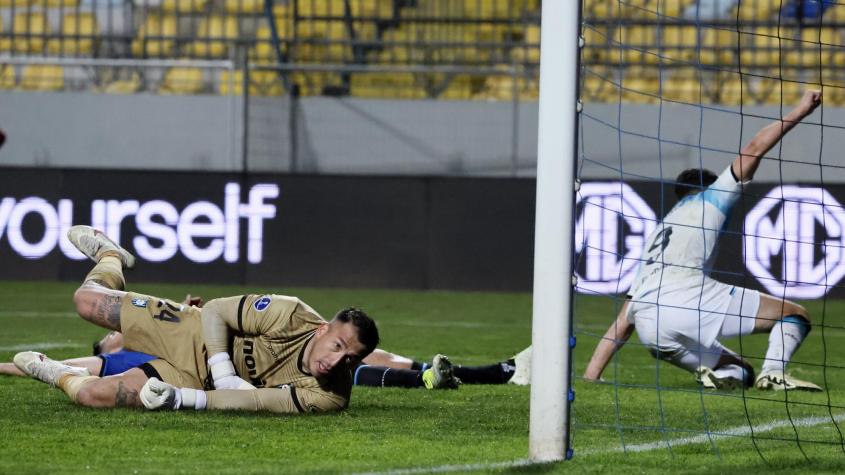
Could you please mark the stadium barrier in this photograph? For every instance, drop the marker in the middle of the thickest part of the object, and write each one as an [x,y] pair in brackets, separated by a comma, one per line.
[394,232]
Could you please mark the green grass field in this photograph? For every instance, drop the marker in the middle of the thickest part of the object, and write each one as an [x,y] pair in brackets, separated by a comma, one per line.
[474,429]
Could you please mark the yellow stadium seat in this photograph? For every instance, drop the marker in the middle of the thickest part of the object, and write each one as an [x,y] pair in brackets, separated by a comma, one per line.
[264,51]
[596,43]
[502,88]
[124,86]
[758,9]
[179,80]
[261,83]
[183,6]
[211,36]
[7,76]
[374,9]
[155,37]
[5,43]
[244,6]
[718,46]
[14,3]
[42,77]
[602,9]
[386,85]
[30,29]
[640,90]
[761,47]
[679,43]
[58,3]
[640,45]
[82,24]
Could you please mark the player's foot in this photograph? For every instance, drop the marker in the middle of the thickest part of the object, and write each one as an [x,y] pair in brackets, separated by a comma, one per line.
[707,378]
[522,374]
[779,381]
[94,244]
[38,366]
[440,375]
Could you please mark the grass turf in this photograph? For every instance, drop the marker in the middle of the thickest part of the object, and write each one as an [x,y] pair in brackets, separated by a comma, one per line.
[395,429]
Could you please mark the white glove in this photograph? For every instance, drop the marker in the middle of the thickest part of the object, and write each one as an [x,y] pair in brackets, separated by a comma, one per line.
[223,373]
[157,394]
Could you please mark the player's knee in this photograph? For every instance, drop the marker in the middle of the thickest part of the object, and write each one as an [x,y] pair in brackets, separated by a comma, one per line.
[795,309]
[92,395]
[82,300]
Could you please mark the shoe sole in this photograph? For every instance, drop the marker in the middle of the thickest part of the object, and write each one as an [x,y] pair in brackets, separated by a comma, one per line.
[77,231]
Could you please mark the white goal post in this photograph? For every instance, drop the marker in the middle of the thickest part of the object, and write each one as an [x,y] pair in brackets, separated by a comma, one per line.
[554,229]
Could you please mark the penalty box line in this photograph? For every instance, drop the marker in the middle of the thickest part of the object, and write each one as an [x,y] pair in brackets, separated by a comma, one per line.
[738,431]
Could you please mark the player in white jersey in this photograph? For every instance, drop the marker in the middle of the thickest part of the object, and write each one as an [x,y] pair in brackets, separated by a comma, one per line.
[680,312]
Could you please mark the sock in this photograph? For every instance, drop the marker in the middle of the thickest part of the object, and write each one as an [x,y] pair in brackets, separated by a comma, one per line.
[786,336]
[418,366]
[71,384]
[108,272]
[734,371]
[499,373]
[379,376]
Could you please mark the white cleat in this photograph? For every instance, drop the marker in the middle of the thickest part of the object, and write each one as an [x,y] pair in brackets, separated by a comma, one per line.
[707,378]
[779,381]
[440,375]
[522,373]
[93,243]
[39,366]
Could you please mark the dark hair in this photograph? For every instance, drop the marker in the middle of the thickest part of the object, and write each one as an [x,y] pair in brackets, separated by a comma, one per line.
[367,331]
[693,180]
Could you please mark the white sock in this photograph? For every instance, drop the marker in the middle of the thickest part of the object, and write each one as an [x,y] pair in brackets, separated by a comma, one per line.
[734,371]
[786,336]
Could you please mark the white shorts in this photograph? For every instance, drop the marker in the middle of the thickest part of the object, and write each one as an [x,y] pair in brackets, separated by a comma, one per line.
[685,326]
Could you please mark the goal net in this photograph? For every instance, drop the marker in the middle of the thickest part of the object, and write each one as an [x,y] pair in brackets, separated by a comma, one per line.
[675,85]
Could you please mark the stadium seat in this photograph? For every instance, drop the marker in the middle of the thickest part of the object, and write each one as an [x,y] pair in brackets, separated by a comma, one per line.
[155,36]
[684,90]
[8,78]
[124,86]
[640,45]
[244,7]
[758,9]
[261,83]
[386,85]
[640,85]
[5,43]
[42,77]
[79,32]
[212,36]
[718,46]
[17,4]
[679,43]
[59,4]
[179,80]
[183,6]
[596,43]
[760,47]
[30,30]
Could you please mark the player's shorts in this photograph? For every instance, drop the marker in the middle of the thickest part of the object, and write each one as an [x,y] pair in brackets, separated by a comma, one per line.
[170,331]
[122,361]
[684,328]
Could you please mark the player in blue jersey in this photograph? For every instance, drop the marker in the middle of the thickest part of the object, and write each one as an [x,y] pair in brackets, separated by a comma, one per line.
[680,312]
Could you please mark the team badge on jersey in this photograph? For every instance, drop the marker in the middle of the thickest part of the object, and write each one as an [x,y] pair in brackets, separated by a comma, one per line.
[140,303]
[262,303]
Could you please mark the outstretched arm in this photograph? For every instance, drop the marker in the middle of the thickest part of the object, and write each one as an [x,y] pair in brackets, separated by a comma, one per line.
[749,157]
[614,338]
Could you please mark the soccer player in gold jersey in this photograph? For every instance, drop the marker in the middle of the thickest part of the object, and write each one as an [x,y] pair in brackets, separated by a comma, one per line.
[251,352]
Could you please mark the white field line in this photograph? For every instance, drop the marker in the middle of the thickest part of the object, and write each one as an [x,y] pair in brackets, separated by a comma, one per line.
[699,439]
[739,431]
[46,345]
[13,313]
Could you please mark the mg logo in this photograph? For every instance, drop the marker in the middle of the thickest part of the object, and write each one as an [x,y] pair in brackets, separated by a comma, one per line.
[612,225]
[794,242]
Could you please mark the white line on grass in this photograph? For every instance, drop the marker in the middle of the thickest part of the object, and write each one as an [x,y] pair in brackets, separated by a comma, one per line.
[717,434]
[47,345]
[699,439]
[13,313]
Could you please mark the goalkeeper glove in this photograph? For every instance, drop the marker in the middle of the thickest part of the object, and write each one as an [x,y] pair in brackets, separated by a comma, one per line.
[223,373]
[157,394]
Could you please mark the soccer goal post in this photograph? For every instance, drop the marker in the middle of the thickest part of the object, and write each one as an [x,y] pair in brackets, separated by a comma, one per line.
[552,300]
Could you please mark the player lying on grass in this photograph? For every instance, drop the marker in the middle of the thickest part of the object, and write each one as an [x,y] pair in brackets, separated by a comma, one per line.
[680,312]
[379,369]
[294,360]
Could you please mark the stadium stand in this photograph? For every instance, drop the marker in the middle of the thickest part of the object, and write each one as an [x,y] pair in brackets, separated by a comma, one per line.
[381,48]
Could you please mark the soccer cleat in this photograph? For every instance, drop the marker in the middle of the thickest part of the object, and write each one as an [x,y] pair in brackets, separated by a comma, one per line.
[709,380]
[38,366]
[440,376]
[522,374]
[779,381]
[93,243]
